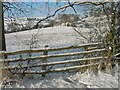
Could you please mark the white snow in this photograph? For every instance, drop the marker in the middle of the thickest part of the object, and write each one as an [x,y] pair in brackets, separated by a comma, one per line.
[52,36]
[57,36]
[68,80]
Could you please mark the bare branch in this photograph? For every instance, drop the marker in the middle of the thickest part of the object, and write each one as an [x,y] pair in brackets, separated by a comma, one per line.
[66,6]
[81,34]
[72,7]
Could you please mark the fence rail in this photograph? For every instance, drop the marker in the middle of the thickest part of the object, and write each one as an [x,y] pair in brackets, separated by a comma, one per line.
[54,63]
[52,49]
[87,61]
[51,56]
[59,70]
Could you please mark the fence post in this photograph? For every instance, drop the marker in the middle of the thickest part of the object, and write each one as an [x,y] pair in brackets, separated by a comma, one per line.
[95,68]
[6,72]
[102,65]
[108,62]
[45,59]
[85,62]
[90,67]
[1,70]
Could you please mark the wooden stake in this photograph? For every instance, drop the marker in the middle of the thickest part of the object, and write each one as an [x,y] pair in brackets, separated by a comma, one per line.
[84,63]
[44,60]
[108,62]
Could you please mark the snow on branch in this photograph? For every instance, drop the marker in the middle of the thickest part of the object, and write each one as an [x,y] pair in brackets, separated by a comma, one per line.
[69,5]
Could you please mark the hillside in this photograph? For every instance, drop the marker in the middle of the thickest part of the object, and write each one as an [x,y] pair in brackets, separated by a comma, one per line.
[53,36]
[57,37]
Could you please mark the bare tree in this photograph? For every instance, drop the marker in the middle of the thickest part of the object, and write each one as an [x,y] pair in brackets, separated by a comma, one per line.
[2,35]
[109,10]
[3,73]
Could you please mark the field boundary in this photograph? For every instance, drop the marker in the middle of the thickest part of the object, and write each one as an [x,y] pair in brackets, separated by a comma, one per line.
[94,56]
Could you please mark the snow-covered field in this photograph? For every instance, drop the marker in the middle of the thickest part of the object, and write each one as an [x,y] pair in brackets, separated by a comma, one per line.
[57,37]
[78,80]
[67,80]
[38,38]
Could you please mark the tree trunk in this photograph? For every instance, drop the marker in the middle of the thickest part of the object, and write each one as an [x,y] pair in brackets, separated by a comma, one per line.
[2,36]
[3,73]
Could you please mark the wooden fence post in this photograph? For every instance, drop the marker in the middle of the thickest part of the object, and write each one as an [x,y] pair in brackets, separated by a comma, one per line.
[6,72]
[95,68]
[44,60]
[1,70]
[85,62]
[102,65]
[90,67]
[108,62]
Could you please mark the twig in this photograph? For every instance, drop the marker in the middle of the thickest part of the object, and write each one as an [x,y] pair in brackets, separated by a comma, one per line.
[66,6]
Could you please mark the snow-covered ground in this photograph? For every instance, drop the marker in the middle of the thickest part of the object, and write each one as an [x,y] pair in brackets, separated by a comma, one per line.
[57,37]
[67,80]
[38,38]
[78,80]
